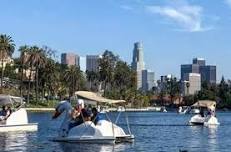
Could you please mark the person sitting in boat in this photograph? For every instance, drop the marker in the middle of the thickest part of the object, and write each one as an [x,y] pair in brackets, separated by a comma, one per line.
[87,114]
[5,113]
[95,117]
[76,114]
[202,112]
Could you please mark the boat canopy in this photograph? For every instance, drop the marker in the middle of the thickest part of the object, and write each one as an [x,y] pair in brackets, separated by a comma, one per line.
[96,97]
[10,100]
[204,103]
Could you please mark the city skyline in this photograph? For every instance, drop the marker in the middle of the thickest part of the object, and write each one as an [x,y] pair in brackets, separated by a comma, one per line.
[172,33]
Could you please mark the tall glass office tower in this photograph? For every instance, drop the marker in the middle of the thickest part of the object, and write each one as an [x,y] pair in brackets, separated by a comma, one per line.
[138,62]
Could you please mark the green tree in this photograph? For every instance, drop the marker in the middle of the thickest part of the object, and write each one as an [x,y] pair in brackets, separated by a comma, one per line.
[173,88]
[106,68]
[24,50]
[49,80]
[208,91]
[7,47]
[38,60]
[93,79]
[123,78]
[73,77]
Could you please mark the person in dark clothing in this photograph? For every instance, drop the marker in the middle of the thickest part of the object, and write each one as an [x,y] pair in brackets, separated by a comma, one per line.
[5,113]
[77,120]
[202,112]
[95,117]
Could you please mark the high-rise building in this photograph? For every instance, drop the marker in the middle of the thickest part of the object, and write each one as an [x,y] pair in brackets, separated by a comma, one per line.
[70,59]
[138,59]
[207,72]
[138,62]
[189,68]
[92,63]
[191,84]
[82,63]
[148,81]
[199,61]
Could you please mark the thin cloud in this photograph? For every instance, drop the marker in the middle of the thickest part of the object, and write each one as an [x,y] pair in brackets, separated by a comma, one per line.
[187,17]
[126,7]
[228,2]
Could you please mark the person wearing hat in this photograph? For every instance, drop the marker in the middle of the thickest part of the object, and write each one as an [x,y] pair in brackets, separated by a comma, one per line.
[78,108]
[77,114]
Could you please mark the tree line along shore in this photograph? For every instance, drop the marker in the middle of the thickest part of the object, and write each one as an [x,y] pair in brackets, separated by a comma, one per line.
[37,76]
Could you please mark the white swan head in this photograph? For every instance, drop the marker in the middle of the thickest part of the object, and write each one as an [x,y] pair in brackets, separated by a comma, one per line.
[61,107]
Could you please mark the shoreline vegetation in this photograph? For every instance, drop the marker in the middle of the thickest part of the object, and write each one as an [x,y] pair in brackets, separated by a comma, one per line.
[38,77]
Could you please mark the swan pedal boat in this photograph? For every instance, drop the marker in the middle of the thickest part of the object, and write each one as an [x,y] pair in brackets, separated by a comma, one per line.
[104,132]
[18,119]
[206,120]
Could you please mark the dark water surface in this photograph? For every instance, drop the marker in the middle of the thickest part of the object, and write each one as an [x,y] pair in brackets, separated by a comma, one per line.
[153,132]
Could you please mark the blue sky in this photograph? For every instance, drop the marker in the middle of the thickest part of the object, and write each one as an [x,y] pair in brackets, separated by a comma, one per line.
[172,31]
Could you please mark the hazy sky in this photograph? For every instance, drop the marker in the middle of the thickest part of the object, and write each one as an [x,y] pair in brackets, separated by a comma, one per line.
[172,31]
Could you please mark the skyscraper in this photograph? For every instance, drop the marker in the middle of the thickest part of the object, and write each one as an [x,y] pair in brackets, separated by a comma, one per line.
[92,63]
[148,81]
[199,61]
[207,72]
[138,62]
[70,59]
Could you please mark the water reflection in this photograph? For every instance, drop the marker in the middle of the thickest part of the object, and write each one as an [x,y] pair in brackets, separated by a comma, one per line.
[212,137]
[206,135]
[80,147]
[13,141]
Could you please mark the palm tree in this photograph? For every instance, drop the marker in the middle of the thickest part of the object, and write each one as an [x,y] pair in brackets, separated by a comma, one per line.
[92,78]
[7,47]
[106,68]
[173,87]
[38,60]
[73,77]
[23,60]
[49,77]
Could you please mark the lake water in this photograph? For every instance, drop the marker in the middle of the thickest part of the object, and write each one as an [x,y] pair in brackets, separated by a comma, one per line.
[153,132]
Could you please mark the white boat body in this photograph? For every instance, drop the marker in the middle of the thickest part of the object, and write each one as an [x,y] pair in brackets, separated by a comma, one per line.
[18,121]
[21,127]
[195,111]
[86,139]
[199,120]
[104,132]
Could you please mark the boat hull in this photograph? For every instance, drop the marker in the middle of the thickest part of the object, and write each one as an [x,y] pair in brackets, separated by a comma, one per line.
[89,139]
[125,138]
[198,120]
[21,127]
